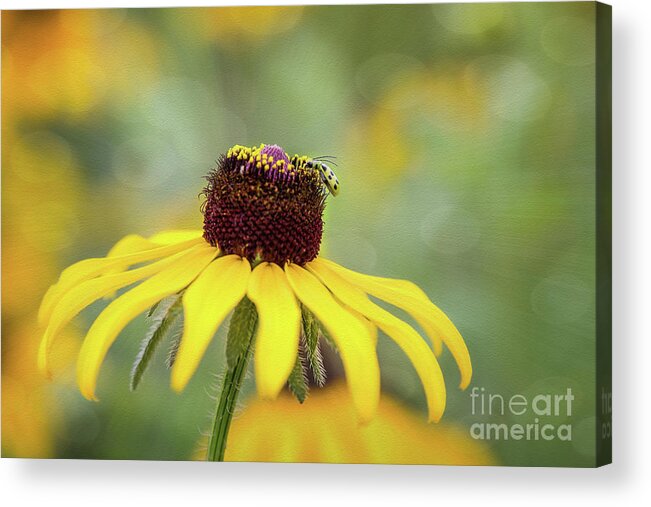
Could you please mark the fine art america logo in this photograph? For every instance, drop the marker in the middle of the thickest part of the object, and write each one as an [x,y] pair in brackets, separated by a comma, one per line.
[540,415]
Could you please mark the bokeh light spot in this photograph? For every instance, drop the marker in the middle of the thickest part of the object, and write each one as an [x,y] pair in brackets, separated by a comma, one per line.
[469,19]
[569,40]
[515,92]
[562,298]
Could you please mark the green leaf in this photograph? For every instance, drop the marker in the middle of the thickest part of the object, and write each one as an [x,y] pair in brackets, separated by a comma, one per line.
[311,344]
[297,380]
[152,309]
[323,332]
[240,329]
[175,341]
[165,315]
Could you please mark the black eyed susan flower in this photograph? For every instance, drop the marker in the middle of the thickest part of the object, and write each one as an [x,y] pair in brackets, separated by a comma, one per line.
[257,257]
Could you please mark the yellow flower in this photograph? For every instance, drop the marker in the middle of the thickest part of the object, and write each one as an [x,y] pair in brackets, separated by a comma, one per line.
[325,430]
[261,236]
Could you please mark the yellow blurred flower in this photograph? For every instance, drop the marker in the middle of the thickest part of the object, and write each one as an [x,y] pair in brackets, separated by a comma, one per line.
[66,63]
[30,413]
[236,25]
[325,430]
[388,137]
[41,192]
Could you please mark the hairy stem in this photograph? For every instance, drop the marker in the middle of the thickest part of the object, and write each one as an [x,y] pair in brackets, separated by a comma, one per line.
[242,330]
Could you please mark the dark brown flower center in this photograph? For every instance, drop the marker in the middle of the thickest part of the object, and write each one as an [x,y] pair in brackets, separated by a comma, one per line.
[260,204]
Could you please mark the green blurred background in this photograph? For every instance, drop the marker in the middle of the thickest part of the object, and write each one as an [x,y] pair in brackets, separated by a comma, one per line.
[465,140]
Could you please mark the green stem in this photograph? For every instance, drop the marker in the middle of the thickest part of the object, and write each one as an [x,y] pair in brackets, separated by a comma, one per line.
[233,378]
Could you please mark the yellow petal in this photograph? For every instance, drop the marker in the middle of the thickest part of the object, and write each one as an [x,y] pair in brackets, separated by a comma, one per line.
[91,268]
[372,328]
[352,338]
[130,244]
[416,349]
[175,236]
[84,294]
[206,304]
[409,297]
[135,243]
[120,312]
[279,321]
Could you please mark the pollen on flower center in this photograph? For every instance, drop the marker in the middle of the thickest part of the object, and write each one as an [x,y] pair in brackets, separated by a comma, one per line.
[262,204]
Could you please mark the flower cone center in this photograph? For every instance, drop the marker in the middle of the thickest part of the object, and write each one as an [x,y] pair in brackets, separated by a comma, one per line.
[260,204]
